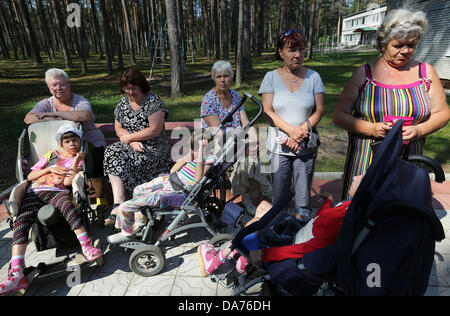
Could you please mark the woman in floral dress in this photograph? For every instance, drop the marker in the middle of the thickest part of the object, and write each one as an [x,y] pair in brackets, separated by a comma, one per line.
[143,151]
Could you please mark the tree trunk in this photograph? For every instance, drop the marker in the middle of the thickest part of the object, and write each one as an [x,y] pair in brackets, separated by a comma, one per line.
[191,30]
[235,23]
[248,68]
[60,31]
[116,10]
[311,28]
[4,47]
[106,36]
[224,27]
[260,28]
[240,47]
[96,28]
[81,42]
[174,45]
[20,29]
[45,30]
[128,29]
[206,27]
[215,20]
[10,31]
[35,54]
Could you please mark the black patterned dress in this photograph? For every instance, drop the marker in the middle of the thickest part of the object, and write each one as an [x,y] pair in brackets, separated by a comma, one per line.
[135,168]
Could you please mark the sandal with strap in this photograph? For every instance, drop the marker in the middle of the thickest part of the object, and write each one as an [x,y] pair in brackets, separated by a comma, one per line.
[111,220]
[15,281]
[90,253]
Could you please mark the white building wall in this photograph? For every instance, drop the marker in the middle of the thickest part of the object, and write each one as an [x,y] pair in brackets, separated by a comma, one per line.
[370,18]
[434,46]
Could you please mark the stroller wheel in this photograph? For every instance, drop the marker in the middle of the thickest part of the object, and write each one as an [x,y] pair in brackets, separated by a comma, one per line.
[147,260]
[220,239]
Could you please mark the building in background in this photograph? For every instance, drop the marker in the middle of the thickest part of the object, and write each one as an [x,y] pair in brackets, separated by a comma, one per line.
[434,46]
[361,28]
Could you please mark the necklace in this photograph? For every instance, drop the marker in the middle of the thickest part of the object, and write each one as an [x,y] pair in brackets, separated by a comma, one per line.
[290,80]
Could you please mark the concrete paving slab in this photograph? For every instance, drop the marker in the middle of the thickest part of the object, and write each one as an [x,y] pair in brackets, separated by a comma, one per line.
[181,275]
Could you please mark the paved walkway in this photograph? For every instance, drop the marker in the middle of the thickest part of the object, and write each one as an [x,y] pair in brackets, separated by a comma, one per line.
[181,276]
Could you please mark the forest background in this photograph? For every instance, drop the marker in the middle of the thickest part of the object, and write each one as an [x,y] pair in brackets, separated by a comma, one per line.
[175,43]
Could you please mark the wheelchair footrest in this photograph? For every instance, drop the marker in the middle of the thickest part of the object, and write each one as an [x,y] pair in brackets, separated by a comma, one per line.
[224,272]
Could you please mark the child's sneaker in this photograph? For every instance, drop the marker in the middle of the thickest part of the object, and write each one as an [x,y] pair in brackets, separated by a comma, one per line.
[241,264]
[209,258]
[241,261]
[15,281]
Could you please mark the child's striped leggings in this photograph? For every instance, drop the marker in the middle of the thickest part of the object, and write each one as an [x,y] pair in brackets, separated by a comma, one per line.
[30,206]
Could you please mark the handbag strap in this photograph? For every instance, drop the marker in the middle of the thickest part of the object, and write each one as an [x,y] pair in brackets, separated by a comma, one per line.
[309,125]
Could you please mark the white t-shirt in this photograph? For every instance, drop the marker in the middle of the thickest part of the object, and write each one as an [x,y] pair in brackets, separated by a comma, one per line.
[295,108]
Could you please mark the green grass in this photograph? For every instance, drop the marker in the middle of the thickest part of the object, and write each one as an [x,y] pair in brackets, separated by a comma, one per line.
[22,85]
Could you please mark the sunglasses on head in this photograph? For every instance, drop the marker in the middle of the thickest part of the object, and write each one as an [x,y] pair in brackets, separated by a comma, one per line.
[289,32]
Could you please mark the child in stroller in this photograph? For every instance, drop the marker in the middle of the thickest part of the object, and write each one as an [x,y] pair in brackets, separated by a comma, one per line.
[275,243]
[184,174]
[49,178]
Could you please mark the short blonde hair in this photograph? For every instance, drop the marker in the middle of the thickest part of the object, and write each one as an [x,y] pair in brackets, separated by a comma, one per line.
[401,24]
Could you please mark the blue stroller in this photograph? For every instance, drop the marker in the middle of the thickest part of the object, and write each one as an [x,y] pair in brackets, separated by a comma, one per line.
[386,242]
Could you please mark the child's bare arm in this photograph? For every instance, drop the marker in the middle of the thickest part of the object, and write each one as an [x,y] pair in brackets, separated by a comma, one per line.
[200,169]
[179,164]
[74,169]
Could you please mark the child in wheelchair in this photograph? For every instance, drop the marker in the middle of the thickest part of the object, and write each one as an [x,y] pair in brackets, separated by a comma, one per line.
[183,175]
[50,178]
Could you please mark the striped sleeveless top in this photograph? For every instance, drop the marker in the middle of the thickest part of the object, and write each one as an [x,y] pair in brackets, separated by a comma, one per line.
[374,102]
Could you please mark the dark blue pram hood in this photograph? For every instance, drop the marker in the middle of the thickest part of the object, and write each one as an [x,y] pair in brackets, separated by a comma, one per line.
[396,254]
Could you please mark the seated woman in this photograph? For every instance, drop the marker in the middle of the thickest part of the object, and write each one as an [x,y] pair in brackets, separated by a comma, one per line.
[188,170]
[49,184]
[216,104]
[66,105]
[322,230]
[143,151]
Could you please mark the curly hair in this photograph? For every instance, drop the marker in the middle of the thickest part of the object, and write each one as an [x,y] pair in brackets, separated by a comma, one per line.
[401,24]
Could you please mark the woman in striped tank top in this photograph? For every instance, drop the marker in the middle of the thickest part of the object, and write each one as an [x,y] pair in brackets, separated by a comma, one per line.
[391,87]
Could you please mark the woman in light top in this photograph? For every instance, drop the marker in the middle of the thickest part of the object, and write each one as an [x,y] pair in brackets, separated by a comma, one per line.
[291,95]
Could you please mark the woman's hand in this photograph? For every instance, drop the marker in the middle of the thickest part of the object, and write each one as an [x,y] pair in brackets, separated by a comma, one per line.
[298,133]
[411,133]
[125,138]
[137,146]
[293,145]
[48,115]
[380,129]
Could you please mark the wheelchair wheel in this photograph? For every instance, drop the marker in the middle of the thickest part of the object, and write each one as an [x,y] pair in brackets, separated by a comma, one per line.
[147,260]
[220,239]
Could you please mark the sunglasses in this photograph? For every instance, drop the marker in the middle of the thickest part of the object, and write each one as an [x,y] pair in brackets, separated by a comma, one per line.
[289,33]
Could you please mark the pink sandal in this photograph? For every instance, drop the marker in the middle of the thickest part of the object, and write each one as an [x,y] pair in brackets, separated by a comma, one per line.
[90,253]
[15,281]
